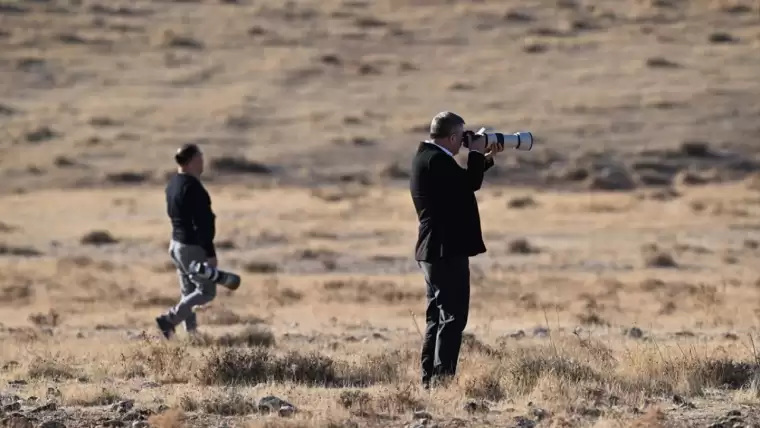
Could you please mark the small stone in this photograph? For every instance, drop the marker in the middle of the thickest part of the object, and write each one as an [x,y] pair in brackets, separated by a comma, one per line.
[521,422]
[13,407]
[270,403]
[286,411]
[17,421]
[421,414]
[48,407]
[540,332]
[540,414]
[734,413]
[113,423]
[140,424]
[123,406]
[53,424]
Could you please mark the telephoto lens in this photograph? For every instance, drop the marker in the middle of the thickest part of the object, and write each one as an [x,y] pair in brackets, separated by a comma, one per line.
[518,140]
[218,276]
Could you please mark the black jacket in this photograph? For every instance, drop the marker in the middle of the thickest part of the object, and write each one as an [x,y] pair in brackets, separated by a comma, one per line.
[188,206]
[444,198]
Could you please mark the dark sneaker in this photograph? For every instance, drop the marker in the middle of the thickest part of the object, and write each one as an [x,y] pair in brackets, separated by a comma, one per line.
[167,328]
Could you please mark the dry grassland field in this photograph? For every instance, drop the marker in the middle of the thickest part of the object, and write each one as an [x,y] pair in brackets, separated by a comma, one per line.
[621,287]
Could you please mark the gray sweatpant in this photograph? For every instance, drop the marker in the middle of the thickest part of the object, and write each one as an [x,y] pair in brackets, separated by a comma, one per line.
[195,291]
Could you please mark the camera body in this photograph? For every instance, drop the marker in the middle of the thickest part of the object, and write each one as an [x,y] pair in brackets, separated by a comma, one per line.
[218,276]
[518,140]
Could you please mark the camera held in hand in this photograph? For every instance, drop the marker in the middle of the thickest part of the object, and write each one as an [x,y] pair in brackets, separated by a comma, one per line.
[220,277]
[518,140]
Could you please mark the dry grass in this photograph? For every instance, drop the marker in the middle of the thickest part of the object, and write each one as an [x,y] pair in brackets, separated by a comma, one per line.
[631,300]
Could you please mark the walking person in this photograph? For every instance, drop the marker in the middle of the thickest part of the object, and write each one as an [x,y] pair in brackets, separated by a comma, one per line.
[188,206]
[449,234]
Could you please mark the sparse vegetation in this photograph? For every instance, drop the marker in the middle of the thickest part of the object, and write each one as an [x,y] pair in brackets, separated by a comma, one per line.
[308,113]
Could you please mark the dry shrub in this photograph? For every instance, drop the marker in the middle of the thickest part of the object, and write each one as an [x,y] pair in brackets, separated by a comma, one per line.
[226,403]
[398,399]
[158,360]
[52,367]
[89,395]
[171,418]
[250,337]
[50,319]
[234,366]
[224,316]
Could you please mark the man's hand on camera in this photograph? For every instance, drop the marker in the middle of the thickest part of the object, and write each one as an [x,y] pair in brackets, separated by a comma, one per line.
[478,144]
[493,149]
[211,261]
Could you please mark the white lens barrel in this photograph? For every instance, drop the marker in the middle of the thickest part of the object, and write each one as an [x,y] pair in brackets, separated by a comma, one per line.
[518,140]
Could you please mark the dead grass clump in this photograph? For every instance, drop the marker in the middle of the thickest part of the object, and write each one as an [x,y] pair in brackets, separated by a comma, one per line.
[98,237]
[154,300]
[232,366]
[158,360]
[128,177]
[89,395]
[235,366]
[522,202]
[485,385]
[654,257]
[250,337]
[54,368]
[224,316]
[12,250]
[522,246]
[398,399]
[526,370]
[688,374]
[50,319]
[174,40]
[260,267]
[227,403]
[171,418]
[239,165]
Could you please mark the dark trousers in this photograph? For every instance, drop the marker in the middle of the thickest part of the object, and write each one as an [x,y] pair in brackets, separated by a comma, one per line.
[448,304]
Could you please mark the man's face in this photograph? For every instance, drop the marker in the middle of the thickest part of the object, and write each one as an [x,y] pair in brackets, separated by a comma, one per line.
[455,140]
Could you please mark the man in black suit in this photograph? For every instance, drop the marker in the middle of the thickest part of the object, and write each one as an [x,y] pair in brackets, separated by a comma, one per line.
[449,234]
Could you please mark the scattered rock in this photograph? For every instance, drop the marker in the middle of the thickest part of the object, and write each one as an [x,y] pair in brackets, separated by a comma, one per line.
[523,422]
[52,424]
[612,178]
[272,404]
[98,237]
[540,332]
[123,406]
[114,423]
[421,414]
[17,421]
[49,407]
[475,406]
[634,332]
[13,407]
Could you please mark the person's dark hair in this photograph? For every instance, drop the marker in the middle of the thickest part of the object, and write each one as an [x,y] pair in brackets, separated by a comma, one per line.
[444,123]
[186,153]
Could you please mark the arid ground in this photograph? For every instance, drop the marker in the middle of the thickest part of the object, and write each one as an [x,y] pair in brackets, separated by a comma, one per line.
[621,286]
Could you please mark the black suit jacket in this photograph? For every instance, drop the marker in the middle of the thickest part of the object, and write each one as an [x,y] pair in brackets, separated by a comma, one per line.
[444,198]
